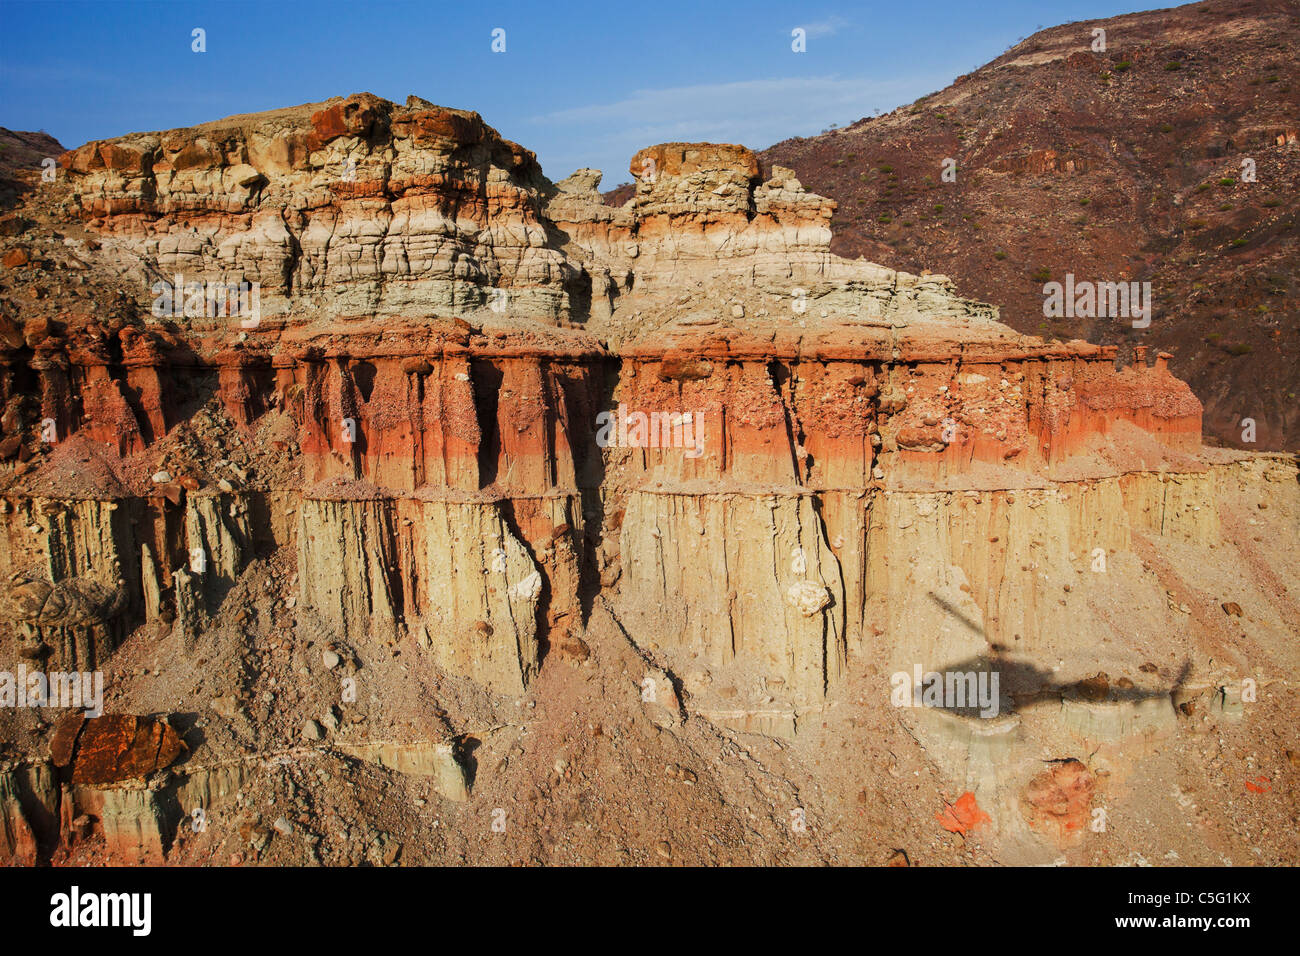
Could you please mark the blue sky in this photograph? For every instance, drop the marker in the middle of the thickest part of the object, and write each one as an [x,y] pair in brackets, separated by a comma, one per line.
[581,84]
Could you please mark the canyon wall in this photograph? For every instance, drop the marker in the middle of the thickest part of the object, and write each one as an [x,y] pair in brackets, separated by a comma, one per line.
[810,469]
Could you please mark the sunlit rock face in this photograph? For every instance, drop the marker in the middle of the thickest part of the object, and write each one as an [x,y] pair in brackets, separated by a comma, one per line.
[471,408]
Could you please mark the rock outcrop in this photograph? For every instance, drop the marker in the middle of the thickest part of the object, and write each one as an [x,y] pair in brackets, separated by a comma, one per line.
[471,403]
[358,207]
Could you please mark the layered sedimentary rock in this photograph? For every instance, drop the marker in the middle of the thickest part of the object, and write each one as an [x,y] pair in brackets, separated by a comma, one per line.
[357,207]
[472,402]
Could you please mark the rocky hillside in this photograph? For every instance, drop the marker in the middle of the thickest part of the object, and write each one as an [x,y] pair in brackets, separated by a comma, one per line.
[1122,164]
[21,154]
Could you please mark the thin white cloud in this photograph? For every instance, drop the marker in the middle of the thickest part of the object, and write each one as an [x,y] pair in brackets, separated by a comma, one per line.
[738,98]
[824,28]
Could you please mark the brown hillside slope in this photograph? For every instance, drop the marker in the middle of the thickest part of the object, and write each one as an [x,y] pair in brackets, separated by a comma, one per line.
[20,160]
[1115,166]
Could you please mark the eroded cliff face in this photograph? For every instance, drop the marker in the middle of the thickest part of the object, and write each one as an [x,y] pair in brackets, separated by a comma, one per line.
[481,425]
[407,207]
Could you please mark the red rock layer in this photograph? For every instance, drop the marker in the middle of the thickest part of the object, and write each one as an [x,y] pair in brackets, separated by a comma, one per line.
[824,415]
[464,409]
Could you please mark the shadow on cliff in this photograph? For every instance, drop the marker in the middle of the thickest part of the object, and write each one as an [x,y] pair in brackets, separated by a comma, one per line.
[186,723]
[486,379]
[464,747]
[952,609]
[1022,684]
[585,398]
[188,384]
[577,283]
[486,382]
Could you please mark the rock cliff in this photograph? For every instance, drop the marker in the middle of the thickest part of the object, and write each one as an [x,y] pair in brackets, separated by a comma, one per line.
[467,433]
